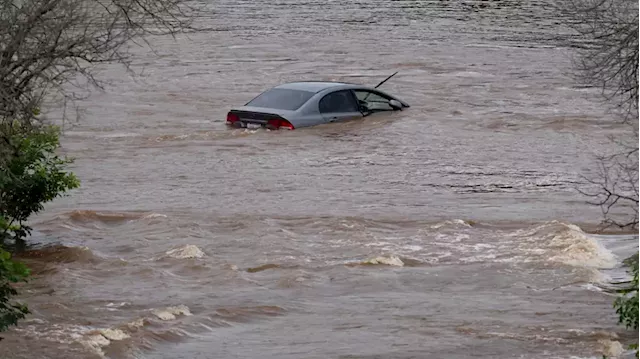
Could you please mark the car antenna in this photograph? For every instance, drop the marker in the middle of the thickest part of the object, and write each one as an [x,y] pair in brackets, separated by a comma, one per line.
[385,80]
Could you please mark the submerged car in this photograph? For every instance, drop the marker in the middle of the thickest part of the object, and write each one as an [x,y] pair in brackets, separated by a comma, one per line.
[303,104]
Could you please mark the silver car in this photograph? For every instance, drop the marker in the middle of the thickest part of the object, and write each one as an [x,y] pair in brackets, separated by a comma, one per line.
[303,104]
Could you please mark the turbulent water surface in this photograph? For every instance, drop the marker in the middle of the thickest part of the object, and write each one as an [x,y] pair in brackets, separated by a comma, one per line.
[450,230]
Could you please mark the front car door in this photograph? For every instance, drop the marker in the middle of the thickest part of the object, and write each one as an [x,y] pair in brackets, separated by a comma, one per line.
[373,101]
[339,106]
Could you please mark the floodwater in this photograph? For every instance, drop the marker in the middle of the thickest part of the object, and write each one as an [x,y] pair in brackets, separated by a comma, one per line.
[450,230]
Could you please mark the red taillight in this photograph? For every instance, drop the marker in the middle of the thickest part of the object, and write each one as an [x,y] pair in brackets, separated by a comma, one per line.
[278,123]
[232,118]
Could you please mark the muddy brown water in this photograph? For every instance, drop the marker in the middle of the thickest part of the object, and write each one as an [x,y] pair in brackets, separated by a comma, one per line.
[450,230]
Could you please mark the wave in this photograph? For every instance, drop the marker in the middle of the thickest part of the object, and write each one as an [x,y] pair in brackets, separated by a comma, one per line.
[574,247]
[610,348]
[60,254]
[185,252]
[263,267]
[385,260]
[607,347]
[170,313]
[245,314]
[567,244]
[551,243]
[90,220]
[390,261]
[109,216]
[601,341]
[87,220]
[453,223]
[97,340]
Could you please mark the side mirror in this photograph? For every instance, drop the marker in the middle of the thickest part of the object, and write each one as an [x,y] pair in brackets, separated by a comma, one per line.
[395,104]
[362,105]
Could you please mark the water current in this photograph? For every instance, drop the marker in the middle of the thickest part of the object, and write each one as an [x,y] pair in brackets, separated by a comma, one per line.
[450,230]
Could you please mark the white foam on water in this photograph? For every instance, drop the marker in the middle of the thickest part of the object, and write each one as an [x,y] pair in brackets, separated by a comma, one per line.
[121,304]
[377,244]
[95,343]
[138,323]
[453,222]
[528,232]
[390,261]
[59,333]
[483,246]
[155,215]
[592,287]
[578,249]
[564,243]
[610,348]
[164,315]
[184,252]
[478,258]
[114,334]
[412,248]
[233,267]
[170,313]
[448,240]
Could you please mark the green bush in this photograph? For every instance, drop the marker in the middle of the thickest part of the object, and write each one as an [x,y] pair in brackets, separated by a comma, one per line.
[626,304]
[31,174]
[10,272]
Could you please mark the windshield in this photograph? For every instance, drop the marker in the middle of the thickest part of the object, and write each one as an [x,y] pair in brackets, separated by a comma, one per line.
[282,99]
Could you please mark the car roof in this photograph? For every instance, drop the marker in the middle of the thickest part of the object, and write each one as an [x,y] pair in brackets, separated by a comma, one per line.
[312,86]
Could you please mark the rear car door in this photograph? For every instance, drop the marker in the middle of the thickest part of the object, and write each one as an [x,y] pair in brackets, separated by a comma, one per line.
[339,106]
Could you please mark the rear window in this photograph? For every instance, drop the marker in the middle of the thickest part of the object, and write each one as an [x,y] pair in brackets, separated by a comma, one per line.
[281,99]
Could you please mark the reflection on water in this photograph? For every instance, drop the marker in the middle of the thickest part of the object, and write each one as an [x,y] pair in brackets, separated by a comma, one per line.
[452,229]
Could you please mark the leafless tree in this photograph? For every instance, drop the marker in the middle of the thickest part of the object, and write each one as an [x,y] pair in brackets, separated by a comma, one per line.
[47,45]
[607,58]
[607,42]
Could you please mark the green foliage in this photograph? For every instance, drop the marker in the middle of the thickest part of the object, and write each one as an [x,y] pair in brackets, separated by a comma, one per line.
[31,174]
[626,304]
[10,272]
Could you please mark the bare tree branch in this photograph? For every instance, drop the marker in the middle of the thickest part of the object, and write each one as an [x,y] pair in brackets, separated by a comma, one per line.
[46,44]
[607,38]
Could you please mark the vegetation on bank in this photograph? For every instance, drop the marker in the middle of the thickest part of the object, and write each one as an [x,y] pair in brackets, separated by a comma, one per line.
[607,58]
[31,174]
[47,47]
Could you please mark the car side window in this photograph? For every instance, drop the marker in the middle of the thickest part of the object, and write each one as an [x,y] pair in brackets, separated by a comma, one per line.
[373,101]
[339,101]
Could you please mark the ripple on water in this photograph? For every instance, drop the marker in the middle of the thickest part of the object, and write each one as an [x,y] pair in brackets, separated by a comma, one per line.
[60,254]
